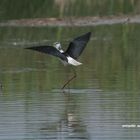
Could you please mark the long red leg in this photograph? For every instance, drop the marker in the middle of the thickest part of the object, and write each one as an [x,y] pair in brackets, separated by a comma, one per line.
[67,82]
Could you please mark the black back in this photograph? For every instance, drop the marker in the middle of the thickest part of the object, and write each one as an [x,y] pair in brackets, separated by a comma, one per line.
[77,46]
[49,50]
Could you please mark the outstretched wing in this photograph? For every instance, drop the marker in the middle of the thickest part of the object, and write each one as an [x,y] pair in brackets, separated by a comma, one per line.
[49,50]
[77,46]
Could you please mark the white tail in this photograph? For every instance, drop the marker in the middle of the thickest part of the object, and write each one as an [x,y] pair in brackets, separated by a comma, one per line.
[73,61]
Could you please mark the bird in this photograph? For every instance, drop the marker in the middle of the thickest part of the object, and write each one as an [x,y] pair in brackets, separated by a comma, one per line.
[68,57]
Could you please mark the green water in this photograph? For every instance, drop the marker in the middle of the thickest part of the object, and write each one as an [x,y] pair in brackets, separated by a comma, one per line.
[104,95]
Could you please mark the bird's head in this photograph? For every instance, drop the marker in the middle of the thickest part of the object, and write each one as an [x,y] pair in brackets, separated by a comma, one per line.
[57,45]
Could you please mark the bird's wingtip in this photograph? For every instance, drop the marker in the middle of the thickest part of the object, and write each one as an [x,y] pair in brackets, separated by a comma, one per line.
[27,48]
[30,48]
[89,33]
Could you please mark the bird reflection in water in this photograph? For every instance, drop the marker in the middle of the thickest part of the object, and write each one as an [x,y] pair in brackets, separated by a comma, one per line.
[70,125]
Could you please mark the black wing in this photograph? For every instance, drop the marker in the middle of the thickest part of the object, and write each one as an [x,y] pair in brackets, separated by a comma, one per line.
[49,50]
[77,46]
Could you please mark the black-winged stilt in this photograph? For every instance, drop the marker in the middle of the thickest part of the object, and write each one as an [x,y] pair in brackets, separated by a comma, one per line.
[70,56]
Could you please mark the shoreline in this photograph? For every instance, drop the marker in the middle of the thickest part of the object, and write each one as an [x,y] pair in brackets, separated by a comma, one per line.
[72,21]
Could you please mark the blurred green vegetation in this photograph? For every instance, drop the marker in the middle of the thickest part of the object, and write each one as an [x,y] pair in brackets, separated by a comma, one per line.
[17,9]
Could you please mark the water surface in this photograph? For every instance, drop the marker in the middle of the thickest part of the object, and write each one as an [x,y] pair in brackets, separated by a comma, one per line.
[103,97]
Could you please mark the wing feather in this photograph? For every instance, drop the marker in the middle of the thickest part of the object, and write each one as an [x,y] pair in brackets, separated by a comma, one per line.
[49,50]
[77,46]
